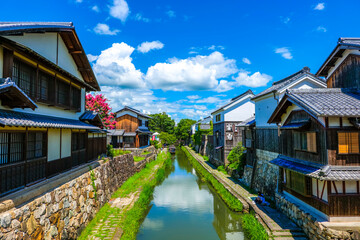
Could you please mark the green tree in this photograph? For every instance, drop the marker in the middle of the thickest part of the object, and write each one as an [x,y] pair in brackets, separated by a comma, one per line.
[183,128]
[161,122]
[237,158]
[167,138]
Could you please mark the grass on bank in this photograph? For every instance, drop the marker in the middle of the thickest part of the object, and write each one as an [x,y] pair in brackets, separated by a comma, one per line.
[252,227]
[138,159]
[145,153]
[232,202]
[134,183]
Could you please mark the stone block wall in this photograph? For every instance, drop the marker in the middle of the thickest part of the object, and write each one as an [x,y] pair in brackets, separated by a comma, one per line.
[63,212]
[247,175]
[313,229]
[265,175]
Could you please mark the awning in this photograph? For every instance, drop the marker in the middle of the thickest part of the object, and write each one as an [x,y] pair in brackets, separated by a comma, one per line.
[92,117]
[143,130]
[12,96]
[295,165]
[296,125]
[129,134]
[116,132]
[355,122]
[22,119]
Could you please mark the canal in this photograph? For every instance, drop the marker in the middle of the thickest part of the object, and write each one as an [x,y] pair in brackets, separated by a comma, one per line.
[184,207]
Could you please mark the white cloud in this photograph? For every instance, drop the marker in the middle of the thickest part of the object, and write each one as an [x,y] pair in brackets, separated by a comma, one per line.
[140,17]
[114,67]
[95,8]
[92,57]
[171,14]
[321,29]
[193,52]
[286,20]
[209,100]
[319,6]
[193,97]
[148,46]
[224,86]
[78,1]
[213,47]
[120,10]
[104,29]
[285,52]
[257,79]
[194,73]
[246,60]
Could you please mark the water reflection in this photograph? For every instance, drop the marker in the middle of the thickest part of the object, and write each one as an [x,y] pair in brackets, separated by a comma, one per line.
[184,207]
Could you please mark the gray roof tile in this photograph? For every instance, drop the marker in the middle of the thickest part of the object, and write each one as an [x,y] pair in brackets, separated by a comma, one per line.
[334,102]
[20,119]
[276,86]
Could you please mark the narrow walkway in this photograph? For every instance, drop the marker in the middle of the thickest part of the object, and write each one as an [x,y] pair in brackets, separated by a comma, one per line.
[279,226]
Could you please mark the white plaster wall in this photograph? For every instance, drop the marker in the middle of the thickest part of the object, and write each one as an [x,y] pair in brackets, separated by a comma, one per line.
[45,45]
[334,122]
[288,112]
[65,143]
[48,111]
[346,123]
[351,187]
[339,187]
[338,62]
[240,112]
[315,190]
[53,144]
[1,61]
[263,110]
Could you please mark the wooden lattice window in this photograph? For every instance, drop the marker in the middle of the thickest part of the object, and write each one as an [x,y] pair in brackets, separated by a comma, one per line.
[76,98]
[78,140]
[36,145]
[297,182]
[63,93]
[46,87]
[25,77]
[305,141]
[348,142]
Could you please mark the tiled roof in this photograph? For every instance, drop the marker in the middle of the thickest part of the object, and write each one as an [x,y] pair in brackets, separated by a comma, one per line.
[129,134]
[13,96]
[31,26]
[349,41]
[234,99]
[322,172]
[333,102]
[20,119]
[116,132]
[276,86]
[247,122]
[133,110]
[88,115]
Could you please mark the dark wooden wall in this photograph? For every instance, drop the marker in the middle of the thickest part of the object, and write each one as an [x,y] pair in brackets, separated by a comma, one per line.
[267,139]
[127,122]
[347,75]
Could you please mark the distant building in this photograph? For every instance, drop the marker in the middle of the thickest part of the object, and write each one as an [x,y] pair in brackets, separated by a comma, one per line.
[44,128]
[225,135]
[202,124]
[319,157]
[131,129]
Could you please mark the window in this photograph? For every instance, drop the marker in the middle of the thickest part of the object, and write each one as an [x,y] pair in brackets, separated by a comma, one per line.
[63,93]
[129,139]
[76,98]
[78,140]
[348,142]
[25,77]
[218,118]
[305,141]
[139,122]
[36,145]
[46,87]
[297,182]
[146,123]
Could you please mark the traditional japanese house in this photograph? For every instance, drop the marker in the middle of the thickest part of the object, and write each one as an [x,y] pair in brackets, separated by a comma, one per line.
[262,138]
[135,126]
[319,157]
[226,136]
[44,128]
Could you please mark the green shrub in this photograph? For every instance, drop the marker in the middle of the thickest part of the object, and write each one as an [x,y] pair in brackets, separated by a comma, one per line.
[145,153]
[109,150]
[222,169]
[138,159]
[206,158]
[155,143]
[253,228]
[237,158]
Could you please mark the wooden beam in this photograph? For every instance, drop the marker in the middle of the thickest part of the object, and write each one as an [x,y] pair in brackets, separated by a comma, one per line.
[76,52]
[357,187]
[322,192]
[341,122]
[344,188]
[335,187]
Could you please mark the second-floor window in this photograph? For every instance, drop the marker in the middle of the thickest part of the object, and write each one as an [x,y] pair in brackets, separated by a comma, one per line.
[218,118]
[25,77]
[305,141]
[146,123]
[140,122]
[348,142]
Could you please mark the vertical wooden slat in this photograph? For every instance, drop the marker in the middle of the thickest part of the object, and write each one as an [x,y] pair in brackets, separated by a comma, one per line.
[8,62]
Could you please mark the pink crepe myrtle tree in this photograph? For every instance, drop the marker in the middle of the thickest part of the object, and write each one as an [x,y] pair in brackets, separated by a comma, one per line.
[99,103]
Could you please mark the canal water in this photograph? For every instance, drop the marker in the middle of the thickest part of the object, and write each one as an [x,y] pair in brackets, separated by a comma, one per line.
[186,208]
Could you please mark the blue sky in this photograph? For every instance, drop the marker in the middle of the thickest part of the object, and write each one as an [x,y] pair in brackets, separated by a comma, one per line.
[189,57]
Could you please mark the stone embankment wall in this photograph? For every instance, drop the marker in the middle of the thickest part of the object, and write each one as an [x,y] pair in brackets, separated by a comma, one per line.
[137,151]
[64,212]
[148,158]
[313,229]
[265,176]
